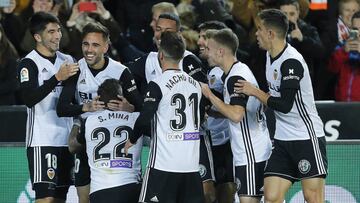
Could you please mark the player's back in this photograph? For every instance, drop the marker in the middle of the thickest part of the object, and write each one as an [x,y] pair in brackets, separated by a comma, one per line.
[175,145]
[106,133]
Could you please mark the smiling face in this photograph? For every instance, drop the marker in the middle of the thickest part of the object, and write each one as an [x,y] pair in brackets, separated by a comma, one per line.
[49,39]
[347,10]
[163,25]
[94,46]
[202,44]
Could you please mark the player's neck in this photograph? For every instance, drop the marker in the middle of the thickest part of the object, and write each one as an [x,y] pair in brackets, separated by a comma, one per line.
[168,65]
[44,51]
[99,65]
[277,47]
[228,62]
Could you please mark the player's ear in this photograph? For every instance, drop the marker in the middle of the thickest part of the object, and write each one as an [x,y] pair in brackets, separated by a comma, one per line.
[37,37]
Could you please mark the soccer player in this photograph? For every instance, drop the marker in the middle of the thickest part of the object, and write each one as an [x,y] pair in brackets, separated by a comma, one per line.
[249,137]
[41,74]
[218,126]
[172,105]
[95,67]
[114,175]
[300,152]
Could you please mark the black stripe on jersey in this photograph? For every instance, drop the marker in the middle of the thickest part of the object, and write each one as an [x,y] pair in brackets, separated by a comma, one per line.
[249,155]
[30,130]
[152,157]
[310,128]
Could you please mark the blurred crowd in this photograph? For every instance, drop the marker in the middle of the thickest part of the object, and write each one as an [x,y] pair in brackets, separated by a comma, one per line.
[325,32]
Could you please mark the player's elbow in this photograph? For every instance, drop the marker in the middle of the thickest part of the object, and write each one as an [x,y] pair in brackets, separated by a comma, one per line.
[236,117]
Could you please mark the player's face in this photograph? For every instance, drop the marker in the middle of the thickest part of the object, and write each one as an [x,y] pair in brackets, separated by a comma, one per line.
[163,25]
[212,52]
[202,45]
[94,46]
[49,39]
[262,35]
[155,17]
[291,12]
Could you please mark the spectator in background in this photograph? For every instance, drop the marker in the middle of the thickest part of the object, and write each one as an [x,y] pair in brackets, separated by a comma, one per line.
[301,35]
[347,8]
[49,6]
[79,18]
[8,62]
[12,24]
[345,63]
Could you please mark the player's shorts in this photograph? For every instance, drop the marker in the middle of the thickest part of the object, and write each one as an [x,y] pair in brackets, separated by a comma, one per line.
[128,193]
[223,163]
[82,169]
[51,171]
[250,179]
[170,187]
[297,160]
[206,165]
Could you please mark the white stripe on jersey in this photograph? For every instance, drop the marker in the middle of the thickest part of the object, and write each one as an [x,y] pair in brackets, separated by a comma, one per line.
[291,126]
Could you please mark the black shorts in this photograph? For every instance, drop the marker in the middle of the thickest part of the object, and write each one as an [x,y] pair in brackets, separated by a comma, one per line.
[51,171]
[122,194]
[297,160]
[82,169]
[223,163]
[206,165]
[168,187]
[250,179]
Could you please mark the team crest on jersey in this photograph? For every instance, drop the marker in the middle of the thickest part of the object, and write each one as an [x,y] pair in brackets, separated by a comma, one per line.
[212,79]
[304,166]
[51,173]
[275,74]
[202,170]
[24,75]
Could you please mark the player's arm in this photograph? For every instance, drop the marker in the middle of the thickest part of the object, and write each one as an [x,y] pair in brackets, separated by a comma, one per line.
[137,69]
[151,103]
[130,90]
[66,106]
[30,91]
[77,137]
[236,109]
[193,66]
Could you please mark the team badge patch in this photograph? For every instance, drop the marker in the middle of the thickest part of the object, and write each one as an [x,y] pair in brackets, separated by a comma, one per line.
[202,170]
[304,166]
[24,75]
[212,80]
[51,173]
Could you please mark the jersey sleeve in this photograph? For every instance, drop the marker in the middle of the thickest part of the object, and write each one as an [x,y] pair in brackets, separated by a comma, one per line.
[292,72]
[67,107]
[193,66]
[137,69]
[30,91]
[236,98]
[151,103]
[130,90]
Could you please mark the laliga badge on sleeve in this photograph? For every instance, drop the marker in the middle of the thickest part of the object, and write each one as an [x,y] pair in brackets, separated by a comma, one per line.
[24,75]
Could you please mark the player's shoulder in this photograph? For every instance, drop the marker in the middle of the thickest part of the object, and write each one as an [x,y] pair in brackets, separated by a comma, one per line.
[65,57]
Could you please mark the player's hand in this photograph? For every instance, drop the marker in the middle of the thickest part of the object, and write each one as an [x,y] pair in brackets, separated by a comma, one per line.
[245,87]
[120,104]
[67,70]
[205,90]
[94,105]
[128,144]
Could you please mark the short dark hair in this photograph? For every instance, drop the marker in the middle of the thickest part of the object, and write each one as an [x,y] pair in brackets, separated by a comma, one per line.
[288,2]
[39,20]
[213,25]
[276,19]
[109,90]
[356,15]
[225,37]
[172,45]
[172,16]
[96,28]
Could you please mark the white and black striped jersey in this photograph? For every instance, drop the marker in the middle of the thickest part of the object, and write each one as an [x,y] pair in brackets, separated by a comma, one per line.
[289,71]
[85,84]
[219,127]
[40,91]
[106,133]
[250,141]
[172,102]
